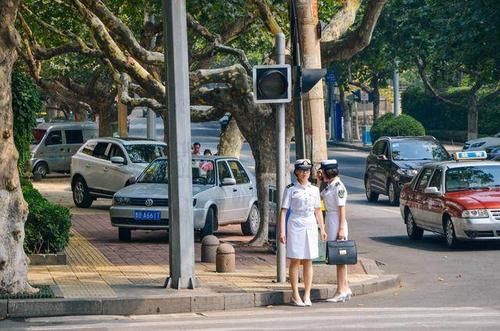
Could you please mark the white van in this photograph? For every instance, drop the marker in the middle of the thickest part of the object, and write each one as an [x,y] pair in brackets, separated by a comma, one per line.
[54,143]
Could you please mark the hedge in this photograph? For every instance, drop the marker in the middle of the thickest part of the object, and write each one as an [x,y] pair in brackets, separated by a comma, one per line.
[47,227]
[450,122]
[403,125]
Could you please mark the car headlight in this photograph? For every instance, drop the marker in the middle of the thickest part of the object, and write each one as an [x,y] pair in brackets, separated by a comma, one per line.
[475,213]
[407,172]
[121,201]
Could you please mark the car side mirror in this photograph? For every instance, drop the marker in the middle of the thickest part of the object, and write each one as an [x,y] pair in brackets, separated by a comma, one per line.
[117,160]
[432,190]
[228,181]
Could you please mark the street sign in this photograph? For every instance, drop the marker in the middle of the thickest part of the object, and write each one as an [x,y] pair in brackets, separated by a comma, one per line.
[330,78]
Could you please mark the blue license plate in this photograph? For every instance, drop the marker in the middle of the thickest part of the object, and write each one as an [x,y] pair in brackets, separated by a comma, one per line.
[147,215]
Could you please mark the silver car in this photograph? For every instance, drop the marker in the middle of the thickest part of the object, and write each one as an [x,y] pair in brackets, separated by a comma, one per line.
[223,193]
[104,165]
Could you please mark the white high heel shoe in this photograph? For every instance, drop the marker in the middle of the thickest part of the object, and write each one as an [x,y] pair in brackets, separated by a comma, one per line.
[341,297]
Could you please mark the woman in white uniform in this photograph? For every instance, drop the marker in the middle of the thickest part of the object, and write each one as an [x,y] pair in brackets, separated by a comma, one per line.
[334,197]
[301,237]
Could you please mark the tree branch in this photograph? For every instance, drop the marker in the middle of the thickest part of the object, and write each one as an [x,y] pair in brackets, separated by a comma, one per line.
[354,42]
[137,101]
[341,21]
[267,17]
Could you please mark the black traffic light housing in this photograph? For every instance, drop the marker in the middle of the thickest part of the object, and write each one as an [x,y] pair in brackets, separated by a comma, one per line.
[272,83]
[308,78]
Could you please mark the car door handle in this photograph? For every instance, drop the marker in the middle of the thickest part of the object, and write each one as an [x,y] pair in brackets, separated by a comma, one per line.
[106,169]
[62,149]
[234,189]
[87,165]
[250,188]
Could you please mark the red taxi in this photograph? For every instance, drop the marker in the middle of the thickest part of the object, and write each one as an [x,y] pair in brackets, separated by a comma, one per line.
[459,199]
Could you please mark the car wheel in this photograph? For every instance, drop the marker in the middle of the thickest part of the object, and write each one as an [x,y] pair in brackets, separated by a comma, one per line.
[393,194]
[370,195]
[124,234]
[41,169]
[412,229]
[81,196]
[449,233]
[208,229]
[251,226]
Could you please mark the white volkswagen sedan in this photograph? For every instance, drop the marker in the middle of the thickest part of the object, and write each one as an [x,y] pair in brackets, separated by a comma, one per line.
[224,192]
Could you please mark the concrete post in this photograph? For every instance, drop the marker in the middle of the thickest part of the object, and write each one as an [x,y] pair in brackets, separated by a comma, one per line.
[180,196]
[209,245]
[151,124]
[226,259]
[395,81]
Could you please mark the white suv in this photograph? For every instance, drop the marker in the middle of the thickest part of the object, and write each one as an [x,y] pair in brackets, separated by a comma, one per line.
[103,166]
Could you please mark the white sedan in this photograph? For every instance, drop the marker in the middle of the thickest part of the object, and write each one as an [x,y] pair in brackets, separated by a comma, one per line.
[224,192]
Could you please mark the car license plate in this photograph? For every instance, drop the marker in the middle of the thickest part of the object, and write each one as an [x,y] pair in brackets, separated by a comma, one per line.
[147,215]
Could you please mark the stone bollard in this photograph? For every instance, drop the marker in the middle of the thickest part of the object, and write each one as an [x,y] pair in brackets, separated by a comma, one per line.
[225,258]
[209,246]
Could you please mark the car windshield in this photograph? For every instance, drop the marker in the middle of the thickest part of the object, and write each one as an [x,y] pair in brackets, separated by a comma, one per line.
[472,177]
[202,171]
[145,153]
[38,136]
[418,150]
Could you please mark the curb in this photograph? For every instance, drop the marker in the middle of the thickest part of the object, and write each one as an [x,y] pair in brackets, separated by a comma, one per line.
[23,308]
[348,145]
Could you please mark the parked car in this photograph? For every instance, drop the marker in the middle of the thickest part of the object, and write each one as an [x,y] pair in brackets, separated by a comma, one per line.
[394,161]
[224,120]
[55,143]
[459,199]
[224,192]
[482,143]
[103,166]
[493,151]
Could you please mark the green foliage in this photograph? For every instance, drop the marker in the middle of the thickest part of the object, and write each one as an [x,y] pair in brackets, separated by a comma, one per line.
[391,126]
[445,119]
[47,227]
[25,103]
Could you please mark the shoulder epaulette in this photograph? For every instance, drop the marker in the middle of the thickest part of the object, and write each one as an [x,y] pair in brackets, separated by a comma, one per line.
[289,185]
[337,184]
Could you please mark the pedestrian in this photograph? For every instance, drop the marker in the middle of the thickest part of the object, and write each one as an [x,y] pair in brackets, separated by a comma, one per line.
[196,149]
[207,152]
[334,197]
[301,236]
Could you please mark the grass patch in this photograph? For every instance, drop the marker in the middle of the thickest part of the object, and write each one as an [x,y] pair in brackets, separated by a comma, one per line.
[44,293]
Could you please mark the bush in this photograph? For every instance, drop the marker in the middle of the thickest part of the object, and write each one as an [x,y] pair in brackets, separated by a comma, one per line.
[47,227]
[391,126]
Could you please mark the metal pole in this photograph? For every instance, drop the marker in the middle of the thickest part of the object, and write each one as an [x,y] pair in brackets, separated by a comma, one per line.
[151,124]
[297,95]
[180,198]
[396,91]
[280,164]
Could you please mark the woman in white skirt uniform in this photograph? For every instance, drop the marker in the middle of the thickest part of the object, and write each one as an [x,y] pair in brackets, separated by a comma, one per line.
[334,197]
[301,237]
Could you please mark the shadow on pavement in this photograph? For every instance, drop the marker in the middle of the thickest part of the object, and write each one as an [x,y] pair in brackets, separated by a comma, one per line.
[436,243]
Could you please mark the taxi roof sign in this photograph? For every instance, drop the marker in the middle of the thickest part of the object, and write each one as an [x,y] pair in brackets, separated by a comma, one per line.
[472,155]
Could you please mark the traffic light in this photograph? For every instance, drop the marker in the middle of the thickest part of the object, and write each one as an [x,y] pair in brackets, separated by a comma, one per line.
[309,78]
[272,83]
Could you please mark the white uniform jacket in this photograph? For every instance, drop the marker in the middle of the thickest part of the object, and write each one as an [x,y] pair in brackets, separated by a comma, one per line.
[333,195]
[302,228]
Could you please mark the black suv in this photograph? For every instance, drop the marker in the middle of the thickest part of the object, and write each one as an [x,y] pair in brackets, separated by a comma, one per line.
[394,161]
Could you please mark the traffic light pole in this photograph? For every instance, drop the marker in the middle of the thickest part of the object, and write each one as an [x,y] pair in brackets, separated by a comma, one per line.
[297,93]
[280,166]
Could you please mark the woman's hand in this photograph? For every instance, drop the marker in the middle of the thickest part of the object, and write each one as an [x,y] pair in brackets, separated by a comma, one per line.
[342,235]
[323,234]
[282,238]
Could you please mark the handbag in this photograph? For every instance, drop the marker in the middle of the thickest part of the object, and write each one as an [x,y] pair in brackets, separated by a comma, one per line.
[341,252]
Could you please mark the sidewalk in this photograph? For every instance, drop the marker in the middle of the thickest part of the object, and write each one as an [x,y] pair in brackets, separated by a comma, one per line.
[109,277]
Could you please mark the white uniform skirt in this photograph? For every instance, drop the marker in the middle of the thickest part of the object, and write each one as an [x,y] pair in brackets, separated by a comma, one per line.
[332,225]
[302,238]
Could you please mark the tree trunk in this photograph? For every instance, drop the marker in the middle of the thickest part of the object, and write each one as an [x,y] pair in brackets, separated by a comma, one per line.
[231,140]
[472,118]
[376,101]
[13,208]
[105,120]
[355,116]
[314,108]
[346,115]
